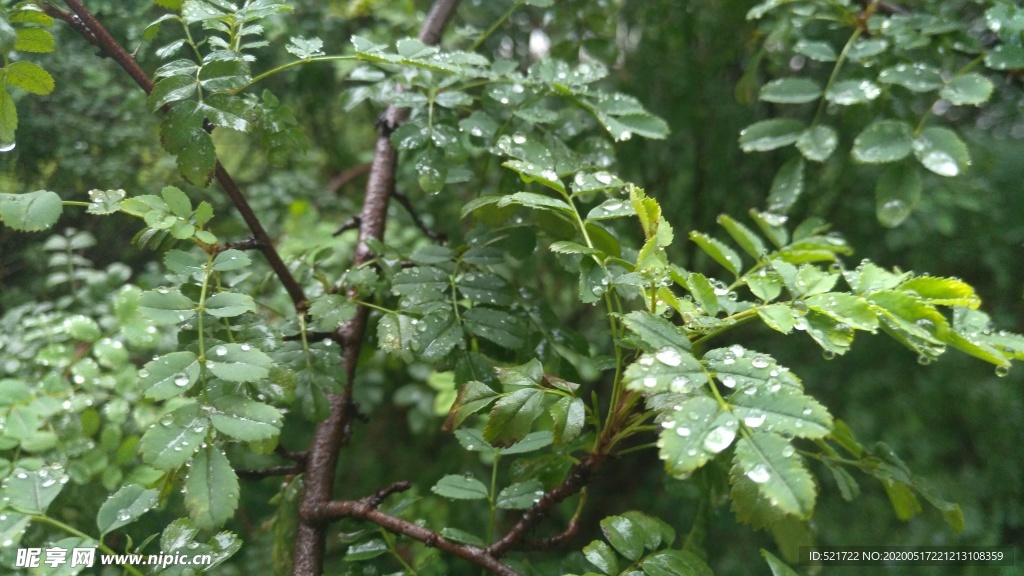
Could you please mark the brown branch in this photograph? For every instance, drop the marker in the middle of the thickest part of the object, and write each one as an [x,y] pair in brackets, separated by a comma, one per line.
[271,471]
[102,38]
[402,199]
[351,224]
[339,181]
[333,433]
[366,509]
[552,542]
[578,477]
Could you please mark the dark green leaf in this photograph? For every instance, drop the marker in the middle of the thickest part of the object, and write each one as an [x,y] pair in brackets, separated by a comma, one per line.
[164,306]
[520,496]
[770,134]
[458,487]
[882,142]
[169,375]
[791,91]
[513,415]
[124,507]
[897,193]
[238,362]
[769,461]
[32,211]
[211,489]
[942,151]
[245,419]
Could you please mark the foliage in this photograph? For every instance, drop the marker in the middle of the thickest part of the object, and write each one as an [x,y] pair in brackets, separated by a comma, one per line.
[558,327]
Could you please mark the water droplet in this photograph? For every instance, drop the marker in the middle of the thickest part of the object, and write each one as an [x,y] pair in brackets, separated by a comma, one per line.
[754,420]
[788,452]
[759,362]
[924,360]
[7,147]
[729,382]
[759,474]
[719,439]
[78,379]
[1002,371]
[645,361]
[181,380]
[519,139]
[828,354]
[650,382]
[220,350]
[49,482]
[668,424]
[246,347]
[669,356]
[683,431]
[123,516]
[679,383]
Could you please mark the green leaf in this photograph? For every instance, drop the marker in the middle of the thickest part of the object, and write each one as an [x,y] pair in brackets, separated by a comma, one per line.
[229,305]
[787,186]
[231,260]
[34,40]
[778,568]
[520,496]
[103,202]
[675,563]
[495,325]
[513,415]
[164,306]
[601,555]
[12,527]
[820,51]
[32,211]
[238,362]
[818,143]
[331,311]
[529,172]
[784,411]
[304,48]
[171,442]
[739,368]
[1005,57]
[473,397]
[942,291]
[530,443]
[670,369]
[850,92]
[21,424]
[914,77]
[791,91]
[846,308]
[211,489]
[32,491]
[882,142]
[366,550]
[769,461]
[897,193]
[170,90]
[568,416]
[536,202]
[703,292]
[221,76]
[694,434]
[185,264]
[745,237]
[169,375]
[865,48]
[780,317]
[483,288]
[941,151]
[625,536]
[770,134]
[655,332]
[245,419]
[30,77]
[971,89]
[435,335]
[623,127]
[8,121]
[719,252]
[458,487]
[177,201]
[125,506]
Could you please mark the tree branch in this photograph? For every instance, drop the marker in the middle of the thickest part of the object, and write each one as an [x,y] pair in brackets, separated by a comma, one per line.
[94,32]
[578,477]
[402,199]
[366,509]
[333,433]
[271,471]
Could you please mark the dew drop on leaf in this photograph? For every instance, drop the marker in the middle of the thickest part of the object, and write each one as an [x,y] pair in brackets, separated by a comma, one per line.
[759,474]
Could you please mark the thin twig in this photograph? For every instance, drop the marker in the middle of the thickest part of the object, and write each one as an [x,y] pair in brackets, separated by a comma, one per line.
[352,224]
[339,181]
[367,509]
[402,199]
[271,471]
[552,542]
[333,433]
[102,38]
[578,477]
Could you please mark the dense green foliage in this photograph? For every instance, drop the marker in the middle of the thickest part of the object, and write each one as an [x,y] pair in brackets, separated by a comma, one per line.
[623,292]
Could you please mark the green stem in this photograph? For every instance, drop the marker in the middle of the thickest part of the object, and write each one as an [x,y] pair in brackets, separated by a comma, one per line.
[75,532]
[199,322]
[284,67]
[495,26]
[835,74]
[76,203]
[927,113]
[492,498]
